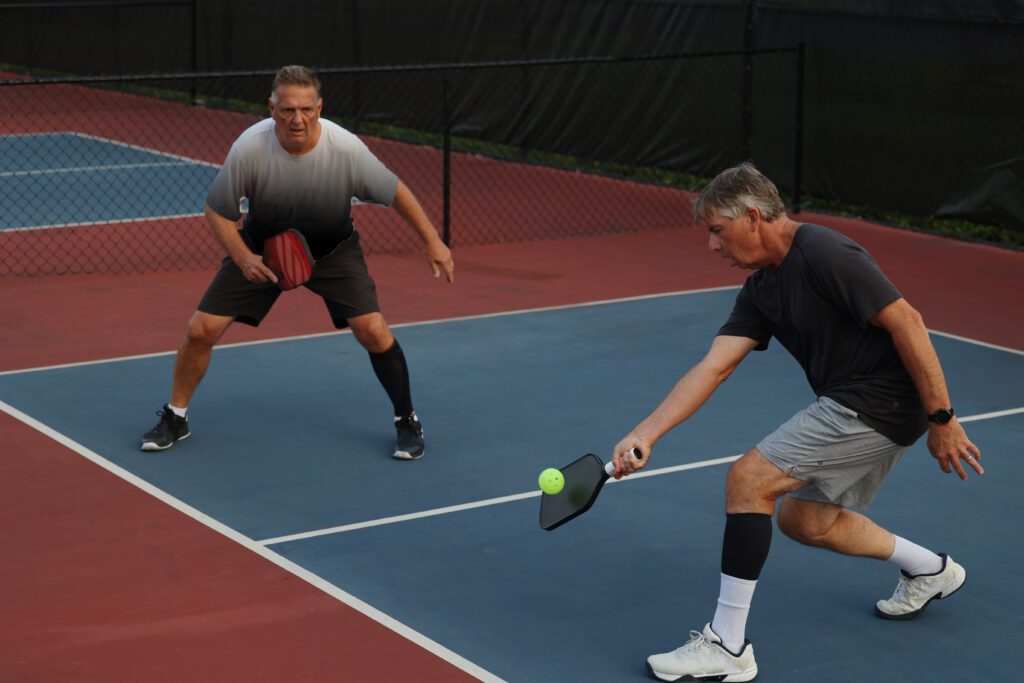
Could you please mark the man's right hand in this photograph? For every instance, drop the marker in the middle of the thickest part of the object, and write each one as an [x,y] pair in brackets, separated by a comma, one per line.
[254,269]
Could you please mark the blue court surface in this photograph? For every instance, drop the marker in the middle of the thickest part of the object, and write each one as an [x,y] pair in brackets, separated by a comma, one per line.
[58,179]
[292,439]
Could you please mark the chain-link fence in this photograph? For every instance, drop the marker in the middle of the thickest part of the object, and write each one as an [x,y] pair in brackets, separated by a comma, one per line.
[110,174]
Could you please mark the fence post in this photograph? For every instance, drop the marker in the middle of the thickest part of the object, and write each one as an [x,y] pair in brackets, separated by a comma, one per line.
[798,133]
[748,81]
[194,49]
[446,235]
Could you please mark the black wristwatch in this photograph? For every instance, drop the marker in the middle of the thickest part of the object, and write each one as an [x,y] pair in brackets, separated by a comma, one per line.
[941,416]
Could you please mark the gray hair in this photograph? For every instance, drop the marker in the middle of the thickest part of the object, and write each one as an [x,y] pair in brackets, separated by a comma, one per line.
[293,74]
[737,189]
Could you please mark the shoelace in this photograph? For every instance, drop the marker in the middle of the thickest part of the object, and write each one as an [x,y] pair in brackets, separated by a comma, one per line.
[902,590]
[697,641]
[412,424]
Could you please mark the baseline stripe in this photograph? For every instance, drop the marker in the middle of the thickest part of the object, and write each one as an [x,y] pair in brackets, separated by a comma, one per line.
[436,321]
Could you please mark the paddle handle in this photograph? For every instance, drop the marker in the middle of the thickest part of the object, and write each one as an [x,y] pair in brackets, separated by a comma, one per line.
[609,468]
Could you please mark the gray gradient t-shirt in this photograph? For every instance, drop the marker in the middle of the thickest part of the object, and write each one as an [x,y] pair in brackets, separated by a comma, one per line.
[312,192]
[818,303]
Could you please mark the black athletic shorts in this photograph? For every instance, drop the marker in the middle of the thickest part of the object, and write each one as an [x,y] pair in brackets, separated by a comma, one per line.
[340,278]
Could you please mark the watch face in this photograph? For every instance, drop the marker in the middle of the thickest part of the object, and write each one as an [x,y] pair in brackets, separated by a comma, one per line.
[942,416]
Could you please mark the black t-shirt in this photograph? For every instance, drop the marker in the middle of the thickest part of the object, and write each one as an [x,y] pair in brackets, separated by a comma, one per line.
[817,303]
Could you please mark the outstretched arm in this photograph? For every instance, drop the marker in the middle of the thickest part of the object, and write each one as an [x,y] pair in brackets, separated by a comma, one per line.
[438,255]
[947,443]
[688,395]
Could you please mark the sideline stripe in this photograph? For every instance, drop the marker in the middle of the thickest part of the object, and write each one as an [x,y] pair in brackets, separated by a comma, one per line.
[289,566]
[536,494]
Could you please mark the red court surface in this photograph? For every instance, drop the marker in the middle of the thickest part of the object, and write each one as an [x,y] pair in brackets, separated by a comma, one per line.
[102,582]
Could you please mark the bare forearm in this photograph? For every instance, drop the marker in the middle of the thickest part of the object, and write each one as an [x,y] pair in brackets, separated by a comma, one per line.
[409,208]
[686,397]
[226,233]
[918,355]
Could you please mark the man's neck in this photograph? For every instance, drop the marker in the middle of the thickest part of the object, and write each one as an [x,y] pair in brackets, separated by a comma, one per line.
[778,238]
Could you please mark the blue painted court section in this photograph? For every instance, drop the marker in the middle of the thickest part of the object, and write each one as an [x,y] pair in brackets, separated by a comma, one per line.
[295,436]
[61,178]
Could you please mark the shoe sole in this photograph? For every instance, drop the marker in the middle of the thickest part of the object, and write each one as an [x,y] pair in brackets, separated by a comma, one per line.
[915,614]
[404,455]
[740,677]
[152,446]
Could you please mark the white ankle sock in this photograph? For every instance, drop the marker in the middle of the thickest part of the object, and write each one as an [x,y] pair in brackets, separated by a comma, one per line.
[180,412]
[913,559]
[730,622]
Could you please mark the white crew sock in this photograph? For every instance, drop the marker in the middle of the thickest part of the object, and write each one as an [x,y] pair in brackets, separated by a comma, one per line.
[730,622]
[913,559]
[180,412]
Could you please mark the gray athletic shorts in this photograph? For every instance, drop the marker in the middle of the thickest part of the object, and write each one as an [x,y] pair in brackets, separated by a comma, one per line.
[844,460]
[340,278]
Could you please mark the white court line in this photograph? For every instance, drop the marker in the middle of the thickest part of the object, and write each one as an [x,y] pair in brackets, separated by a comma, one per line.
[309,577]
[534,494]
[140,148]
[478,504]
[77,169]
[957,337]
[149,150]
[437,321]
[989,416]
[109,221]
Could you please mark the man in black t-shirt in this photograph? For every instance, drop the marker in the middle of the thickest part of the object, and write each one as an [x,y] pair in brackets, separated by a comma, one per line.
[879,387]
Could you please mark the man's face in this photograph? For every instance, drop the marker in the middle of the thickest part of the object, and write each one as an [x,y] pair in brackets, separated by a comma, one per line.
[296,115]
[736,239]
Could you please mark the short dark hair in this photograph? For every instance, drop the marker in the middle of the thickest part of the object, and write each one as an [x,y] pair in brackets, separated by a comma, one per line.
[293,74]
[737,189]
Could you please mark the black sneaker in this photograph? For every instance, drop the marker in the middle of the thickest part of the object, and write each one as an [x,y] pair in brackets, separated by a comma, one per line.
[410,445]
[169,429]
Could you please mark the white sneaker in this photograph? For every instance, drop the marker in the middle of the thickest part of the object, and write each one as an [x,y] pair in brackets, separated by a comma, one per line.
[703,657]
[913,593]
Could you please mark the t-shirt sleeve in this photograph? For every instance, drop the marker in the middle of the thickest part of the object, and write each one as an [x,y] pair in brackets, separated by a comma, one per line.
[746,321]
[228,187]
[850,278]
[374,183]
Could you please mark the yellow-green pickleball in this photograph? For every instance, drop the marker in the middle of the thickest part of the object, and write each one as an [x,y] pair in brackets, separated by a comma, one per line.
[551,481]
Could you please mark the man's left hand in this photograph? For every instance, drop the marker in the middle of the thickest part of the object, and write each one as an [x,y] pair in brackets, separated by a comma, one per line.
[949,445]
[439,256]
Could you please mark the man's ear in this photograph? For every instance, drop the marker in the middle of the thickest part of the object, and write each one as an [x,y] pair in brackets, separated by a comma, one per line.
[754,216]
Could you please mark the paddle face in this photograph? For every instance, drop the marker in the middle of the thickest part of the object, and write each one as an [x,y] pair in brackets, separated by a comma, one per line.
[583,481]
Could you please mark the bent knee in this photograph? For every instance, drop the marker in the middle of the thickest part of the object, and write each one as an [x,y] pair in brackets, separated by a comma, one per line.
[373,333]
[801,527]
[205,330]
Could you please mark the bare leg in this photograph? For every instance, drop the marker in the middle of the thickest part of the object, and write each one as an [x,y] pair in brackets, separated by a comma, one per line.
[204,331]
[835,528]
[755,483]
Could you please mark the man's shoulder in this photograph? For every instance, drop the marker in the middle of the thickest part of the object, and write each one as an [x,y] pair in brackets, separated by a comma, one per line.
[255,134]
[339,137]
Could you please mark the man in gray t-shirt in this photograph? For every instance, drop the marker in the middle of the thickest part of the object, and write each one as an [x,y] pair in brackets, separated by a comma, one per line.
[298,172]
[869,360]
